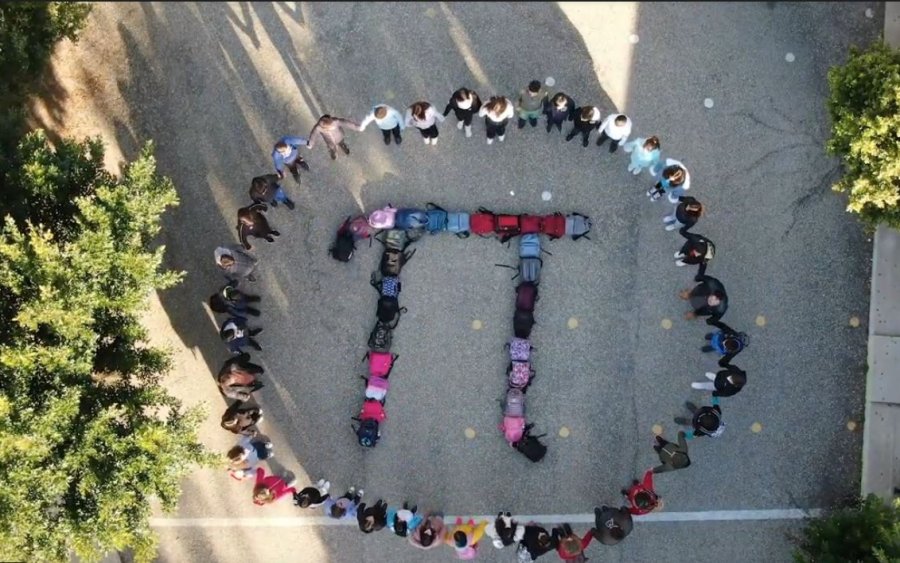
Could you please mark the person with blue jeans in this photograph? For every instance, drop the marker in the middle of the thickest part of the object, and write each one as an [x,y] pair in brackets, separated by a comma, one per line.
[286,154]
[266,189]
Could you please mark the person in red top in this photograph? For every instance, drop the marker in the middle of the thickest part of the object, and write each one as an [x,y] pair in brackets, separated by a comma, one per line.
[569,546]
[270,488]
[642,499]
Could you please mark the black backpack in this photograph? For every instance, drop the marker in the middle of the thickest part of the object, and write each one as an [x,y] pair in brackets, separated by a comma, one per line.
[522,323]
[380,337]
[389,311]
[530,446]
[343,247]
[392,261]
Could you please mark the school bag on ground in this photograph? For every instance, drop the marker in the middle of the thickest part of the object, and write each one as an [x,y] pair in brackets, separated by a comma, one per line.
[395,239]
[344,245]
[530,446]
[437,218]
[380,363]
[380,337]
[377,388]
[530,246]
[526,296]
[578,226]
[360,229]
[519,349]
[392,261]
[482,223]
[513,428]
[523,322]
[388,286]
[514,403]
[370,416]
[507,226]
[529,269]
[383,218]
[389,310]
[410,219]
[529,224]
[554,226]
[458,224]
[519,375]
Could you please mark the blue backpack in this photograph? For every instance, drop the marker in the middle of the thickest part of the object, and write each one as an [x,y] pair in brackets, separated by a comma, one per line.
[388,286]
[437,218]
[410,219]
[458,223]
[530,246]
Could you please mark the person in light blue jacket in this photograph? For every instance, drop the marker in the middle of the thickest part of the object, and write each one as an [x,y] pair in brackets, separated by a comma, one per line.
[389,120]
[402,521]
[286,154]
[644,154]
[343,508]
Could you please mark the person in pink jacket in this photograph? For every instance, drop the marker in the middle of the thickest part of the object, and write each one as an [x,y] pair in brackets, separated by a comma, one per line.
[269,488]
[430,533]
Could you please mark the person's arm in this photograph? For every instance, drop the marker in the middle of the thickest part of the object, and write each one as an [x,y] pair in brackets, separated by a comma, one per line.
[720,325]
[571,102]
[478,531]
[260,476]
[258,207]
[437,115]
[369,118]
[476,102]
[647,483]
[662,468]
[483,111]
[605,123]
[627,131]
[449,107]
[702,279]
[682,442]
[509,113]
[349,124]
[312,137]
[713,316]
[586,541]
[242,235]
[408,118]
[361,515]
[701,271]
[295,141]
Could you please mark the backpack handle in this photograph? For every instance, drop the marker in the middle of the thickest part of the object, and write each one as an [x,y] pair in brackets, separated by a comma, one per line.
[431,206]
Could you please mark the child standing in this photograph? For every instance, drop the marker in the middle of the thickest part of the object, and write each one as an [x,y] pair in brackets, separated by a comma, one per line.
[531,103]
[388,120]
[707,299]
[465,104]
[313,497]
[344,508]
[671,456]
[269,488]
[536,542]
[568,545]
[560,108]
[373,518]
[587,118]
[726,382]
[423,117]
[232,301]
[641,497]
[464,538]
[403,521]
[236,263]
[644,154]
[686,214]
[331,129]
[286,154]
[266,189]
[236,334]
[253,223]
[497,113]
[611,525]
[673,180]
[616,127]
[241,418]
[246,455]
[726,341]
[696,251]
[430,533]
[706,421]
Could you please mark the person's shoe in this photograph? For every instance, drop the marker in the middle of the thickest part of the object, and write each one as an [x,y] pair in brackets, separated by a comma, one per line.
[636,171]
[671,227]
[387,140]
[501,137]
[398,140]
[585,143]
[427,140]
[327,486]
[624,492]
[289,204]
[521,123]
[434,141]
[414,508]
[468,130]
[549,126]
[459,125]
[690,406]
[360,493]
[533,122]
[490,141]
[682,421]
[333,155]
[270,447]
[569,138]
[320,483]
[296,173]
[274,203]
[275,233]
[303,164]
[345,148]
[680,263]
[697,385]
[352,490]
[679,254]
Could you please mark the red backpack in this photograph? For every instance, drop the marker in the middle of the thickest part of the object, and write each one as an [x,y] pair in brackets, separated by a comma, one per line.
[482,223]
[507,226]
[554,226]
[529,224]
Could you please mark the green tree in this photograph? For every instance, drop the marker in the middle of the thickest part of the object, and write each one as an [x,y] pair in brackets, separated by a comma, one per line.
[88,436]
[867,532]
[863,103]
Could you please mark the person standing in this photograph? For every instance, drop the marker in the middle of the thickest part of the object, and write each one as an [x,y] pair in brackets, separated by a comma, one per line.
[465,104]
[644,154]
[611,525]
[343,508]
[616,127]
[569,546]
[536,542]
[464,537]
[697,250]
[241,418]
[402,521]
[236,263]
[530,104]
[671,456]
[388,120]
[236,334]
[707,299]
[706,421]
[372,518]
[642,498]
[331,129]
[230,300]
[423,117]
[253,223]
[430,533]
[587,118]
[266,189]
[558,109]
[673,180]
[237,383]
[685,216]
[313,497]
[286,154]
[269,488]
[726,382]
[246,455]
[726,341]
[497,113]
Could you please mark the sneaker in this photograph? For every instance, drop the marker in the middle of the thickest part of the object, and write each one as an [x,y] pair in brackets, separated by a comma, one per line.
[690,406]
[345,148]
[274,203]
[682,421]
[352,491]
[434,141]
[501,137]
[696,385]
[320,484]
[289,204]
[680,263]
[459,125]
[269,446]
[671,227]
[333,155]
[360,493]
[490,141]
[427,140]
[469,131]
[327,486]
[679,255]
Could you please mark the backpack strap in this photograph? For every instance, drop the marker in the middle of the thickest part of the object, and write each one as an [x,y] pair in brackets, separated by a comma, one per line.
[463,235]
[576,237]
[548,252]
[406,257]
[374,283]
[434,207]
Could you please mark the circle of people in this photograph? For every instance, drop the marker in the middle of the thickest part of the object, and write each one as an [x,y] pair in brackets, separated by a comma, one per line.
[239,378]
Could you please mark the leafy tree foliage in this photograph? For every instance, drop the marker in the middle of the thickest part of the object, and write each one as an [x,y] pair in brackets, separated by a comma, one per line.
[868,532]
[88,436]
[864,104]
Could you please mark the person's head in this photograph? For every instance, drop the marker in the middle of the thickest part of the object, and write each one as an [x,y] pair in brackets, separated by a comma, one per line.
[226,261]
[228,334]
[645,500]
[621,120]
[587,112]
[246,216]
[261,493]
[559,100]
[617,533]
[380,112]
[237,454]
[462,95]
[694,209]
[419,109]
[460,539]
[258,186]
[714,299]
[217,303]
[426,534]
[571,545]
[675,174]
[708,423]
[497,104]
[732,344]
[651,144]
[543,539]
[534,86]
[283,148]
[303,500]
[400,527]
[737,378]
[229,421]
[368,524]
[337,511]
[326,121]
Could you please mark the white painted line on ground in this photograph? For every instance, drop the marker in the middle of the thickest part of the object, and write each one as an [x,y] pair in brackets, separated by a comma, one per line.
[312,521]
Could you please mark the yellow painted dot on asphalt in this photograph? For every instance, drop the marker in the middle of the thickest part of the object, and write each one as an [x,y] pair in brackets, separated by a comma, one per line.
[851,426]
[573,323]
[430,12]
[564,432]
[389,95]
[760,320]
[657,429]
[477,325]
[854,322]
[470,433]
[756,428]
[666,323]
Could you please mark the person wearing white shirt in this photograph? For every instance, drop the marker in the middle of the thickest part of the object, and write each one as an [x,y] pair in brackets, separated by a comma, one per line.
[616,127]
[423,117]
[388,120]
[497,113]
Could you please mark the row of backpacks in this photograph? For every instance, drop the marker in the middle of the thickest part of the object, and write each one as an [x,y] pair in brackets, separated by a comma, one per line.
[414,223]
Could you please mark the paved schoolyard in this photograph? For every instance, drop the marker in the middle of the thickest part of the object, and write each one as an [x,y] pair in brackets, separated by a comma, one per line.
[214,85]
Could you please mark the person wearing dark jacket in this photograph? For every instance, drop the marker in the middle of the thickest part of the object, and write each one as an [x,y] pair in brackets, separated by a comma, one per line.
[266,189]
[706,421]
[726,382]
[671,456]
[726,341]
[313,497]
[569,546]
[232,301]
[537,541]
[241,418]
[707,299]
[696,251]
[611,525]
[236,334]
[558,109]
[465,104]
[372,518]
[252,223]
[238,384]
[685,216]
[587,119]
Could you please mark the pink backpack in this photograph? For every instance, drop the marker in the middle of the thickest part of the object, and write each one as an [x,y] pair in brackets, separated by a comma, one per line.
[513,428]
[372,410]
[519,374]
[381,363]
[519,349]
[377,388]
[359,228]
[383,218]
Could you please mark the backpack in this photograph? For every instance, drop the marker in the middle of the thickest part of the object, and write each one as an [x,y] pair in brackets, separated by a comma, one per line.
[554,226]
[458,223]
[507,226]
[396,239]
[359,228]
[519,350]
[513,428]
[519,375]
[437,218]
[393,260]
[530,246]
[344,245]
[526,296]
[390,286]
[367,433]
[523,321]
[529,269]
[380,337]
[383,218]
[529,224]
[409,219]
[482,223]
[380,363]
[389,310]
[377,388]
[531,446]
[514,405]
[578,226]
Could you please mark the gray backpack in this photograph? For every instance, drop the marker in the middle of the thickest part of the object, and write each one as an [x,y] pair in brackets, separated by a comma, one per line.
[529,269]
[514,405]
[396,239]
[578,226]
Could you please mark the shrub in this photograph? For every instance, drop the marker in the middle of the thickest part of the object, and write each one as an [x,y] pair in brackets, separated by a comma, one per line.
[867,532]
